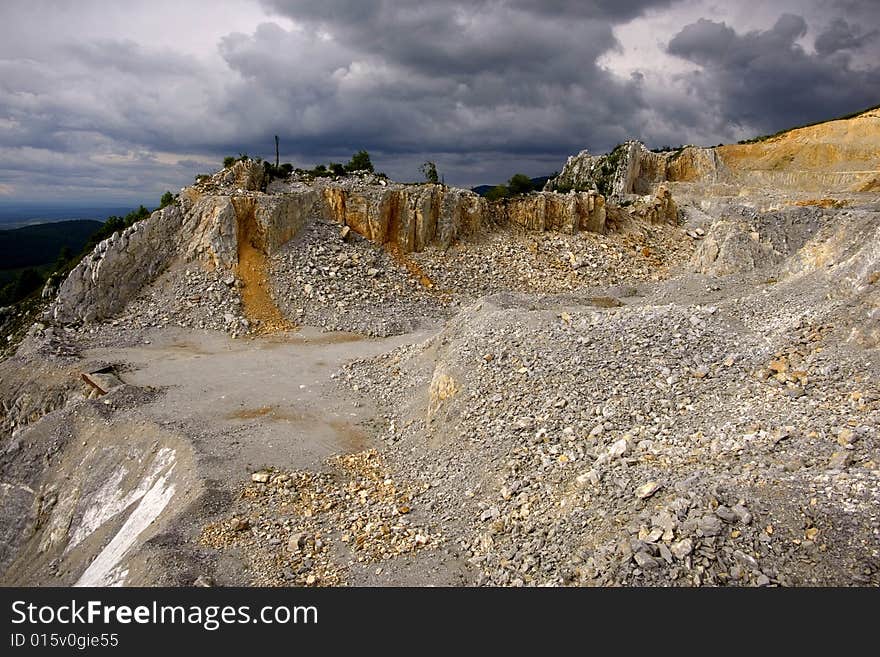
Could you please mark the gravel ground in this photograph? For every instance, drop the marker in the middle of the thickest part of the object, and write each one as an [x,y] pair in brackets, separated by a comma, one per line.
[641,445]
[584,412]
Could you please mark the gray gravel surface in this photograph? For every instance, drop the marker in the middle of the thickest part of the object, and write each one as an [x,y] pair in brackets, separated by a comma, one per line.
[578,410]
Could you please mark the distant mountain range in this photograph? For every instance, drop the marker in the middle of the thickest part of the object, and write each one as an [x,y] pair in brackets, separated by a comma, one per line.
[40,244]
[15,215]
[538,183]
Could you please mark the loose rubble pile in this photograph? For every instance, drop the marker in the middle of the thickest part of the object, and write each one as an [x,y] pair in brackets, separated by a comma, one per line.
[307,528]
[551,263]
[187,297]
[640,445]
[349,284]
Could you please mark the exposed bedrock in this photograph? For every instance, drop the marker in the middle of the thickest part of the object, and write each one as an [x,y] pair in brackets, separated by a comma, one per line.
[104,281]
[206,222]
[547,211]
[409,216]
[832,157]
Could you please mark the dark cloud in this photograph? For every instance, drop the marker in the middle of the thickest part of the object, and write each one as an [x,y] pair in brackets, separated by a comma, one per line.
[440,79]
[766,80]
[840,35]
[465,38]
[484,88]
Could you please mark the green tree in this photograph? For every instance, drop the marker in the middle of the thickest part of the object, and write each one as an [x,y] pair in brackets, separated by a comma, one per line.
[429,170]
[498,192]
[360,161]
[520,183]
[166,200]
[337,169]
[64,256]
[27,282]
[228,161]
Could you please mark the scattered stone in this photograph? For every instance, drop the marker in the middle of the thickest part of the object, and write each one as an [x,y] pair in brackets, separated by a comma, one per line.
[681,549]
[726,514]
[645,560]
[742,513]
[239,524]
[647,489]
[102,382]
[840,460]
[617,448]
[710,525]
[298,541]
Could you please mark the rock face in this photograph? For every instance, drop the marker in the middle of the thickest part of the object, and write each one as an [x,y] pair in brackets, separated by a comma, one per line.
[549,211]
[200,227]
[410,217]
[213,223]
[835,156]
[658,209]
[693,164]
[104,281]
[629,169]
[576,174]
[639,170]
[413,217]
[221,217]
[839,155]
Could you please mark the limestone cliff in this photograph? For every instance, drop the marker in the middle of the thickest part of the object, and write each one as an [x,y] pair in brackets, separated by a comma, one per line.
[657,209]
[410,216]
[841,156]
[104,281]
[628,169]
[577,174]
[203,227]
[225,216]
[549,211]
[214,220]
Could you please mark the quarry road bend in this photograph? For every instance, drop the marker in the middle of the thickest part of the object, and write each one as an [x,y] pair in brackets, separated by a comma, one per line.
[250,403]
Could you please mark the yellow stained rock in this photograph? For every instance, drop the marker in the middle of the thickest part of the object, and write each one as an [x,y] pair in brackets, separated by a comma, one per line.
[779,366]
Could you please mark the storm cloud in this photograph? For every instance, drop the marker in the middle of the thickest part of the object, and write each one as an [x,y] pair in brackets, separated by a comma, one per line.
[766,79]
[124,101]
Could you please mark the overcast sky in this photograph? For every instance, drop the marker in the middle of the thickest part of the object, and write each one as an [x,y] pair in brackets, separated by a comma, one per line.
[118,101]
